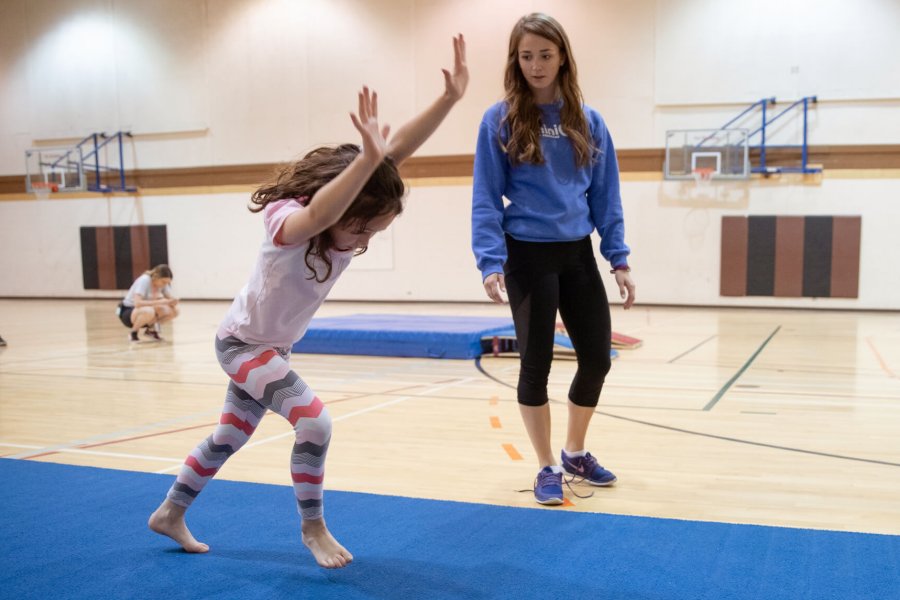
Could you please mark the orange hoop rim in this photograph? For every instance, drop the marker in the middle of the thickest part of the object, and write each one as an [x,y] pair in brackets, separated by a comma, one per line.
[44,186]
[703,174]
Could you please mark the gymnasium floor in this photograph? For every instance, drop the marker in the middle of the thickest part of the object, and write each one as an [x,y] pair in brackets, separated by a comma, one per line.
[754,416]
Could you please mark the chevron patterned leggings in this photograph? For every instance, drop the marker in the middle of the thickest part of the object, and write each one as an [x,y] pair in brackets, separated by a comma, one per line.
[261,379]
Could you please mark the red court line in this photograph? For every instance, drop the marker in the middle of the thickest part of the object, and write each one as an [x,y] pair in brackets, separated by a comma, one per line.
[158,433]
[138,437]
[880,359]
[128,439]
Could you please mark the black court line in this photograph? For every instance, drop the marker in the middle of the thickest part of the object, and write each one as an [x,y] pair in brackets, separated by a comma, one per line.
[740,372]
[692,349]
[706,435]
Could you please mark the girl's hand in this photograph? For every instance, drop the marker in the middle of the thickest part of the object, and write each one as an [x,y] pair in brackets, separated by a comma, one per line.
[374,139]
[455,83]
[493,285]
[626,288]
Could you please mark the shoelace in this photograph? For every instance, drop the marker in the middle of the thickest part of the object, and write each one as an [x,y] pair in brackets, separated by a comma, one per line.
[590,465]
[542,476]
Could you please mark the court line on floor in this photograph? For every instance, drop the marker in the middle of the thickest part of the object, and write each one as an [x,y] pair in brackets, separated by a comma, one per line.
[712,337]
[479,366]
[116,434]
[97,453]
[715,399]
[881,361]
[344,417]
[108,442]
[218,384]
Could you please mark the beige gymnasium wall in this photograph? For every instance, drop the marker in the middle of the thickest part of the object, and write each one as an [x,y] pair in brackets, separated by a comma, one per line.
[218,83]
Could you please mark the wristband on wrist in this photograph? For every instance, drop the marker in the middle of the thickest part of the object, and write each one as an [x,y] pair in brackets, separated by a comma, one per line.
[625,268]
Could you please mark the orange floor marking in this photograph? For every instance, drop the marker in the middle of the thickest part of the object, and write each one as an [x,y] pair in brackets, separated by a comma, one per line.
[495,422]
[567,502]
[494,400]
[880,360]
[513,453]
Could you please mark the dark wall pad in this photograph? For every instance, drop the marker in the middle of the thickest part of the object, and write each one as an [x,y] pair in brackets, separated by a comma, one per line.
[122,240]
[106,258]
[845,257]
[140,250]
[733,273]
[789,256]
[159,245]
[817,243]
[761,256]
[89,258]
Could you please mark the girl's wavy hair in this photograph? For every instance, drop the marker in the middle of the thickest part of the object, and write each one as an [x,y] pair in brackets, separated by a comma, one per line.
[381,195]
[523,119]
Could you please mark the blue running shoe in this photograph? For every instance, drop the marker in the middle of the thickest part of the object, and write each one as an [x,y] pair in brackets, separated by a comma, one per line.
[548,487]
[586,467]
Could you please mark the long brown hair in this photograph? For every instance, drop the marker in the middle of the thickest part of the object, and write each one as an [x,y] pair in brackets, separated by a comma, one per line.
[160,272]
[381,195]
[524,117]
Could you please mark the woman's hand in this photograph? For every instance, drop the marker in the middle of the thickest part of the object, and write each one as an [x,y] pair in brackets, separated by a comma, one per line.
[374,139]
[626,288]
[494,284]
[456,82]
[414,132]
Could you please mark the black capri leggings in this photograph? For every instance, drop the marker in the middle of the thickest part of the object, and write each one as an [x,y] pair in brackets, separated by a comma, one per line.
[541,278]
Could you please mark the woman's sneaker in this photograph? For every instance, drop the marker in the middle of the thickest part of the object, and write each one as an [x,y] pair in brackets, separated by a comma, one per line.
[587,468]
[133,337]
[548,487]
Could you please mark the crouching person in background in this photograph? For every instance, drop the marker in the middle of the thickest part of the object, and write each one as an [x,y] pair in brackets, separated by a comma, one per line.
[149,303]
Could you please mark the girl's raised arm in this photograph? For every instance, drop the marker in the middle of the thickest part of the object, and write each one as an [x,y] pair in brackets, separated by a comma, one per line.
[328,205]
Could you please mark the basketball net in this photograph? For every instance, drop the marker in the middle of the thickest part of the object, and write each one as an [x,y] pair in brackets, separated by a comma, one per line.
[703,176]
[42,189]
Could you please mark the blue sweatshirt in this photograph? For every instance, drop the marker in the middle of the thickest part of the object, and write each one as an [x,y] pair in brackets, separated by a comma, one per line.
[553,202]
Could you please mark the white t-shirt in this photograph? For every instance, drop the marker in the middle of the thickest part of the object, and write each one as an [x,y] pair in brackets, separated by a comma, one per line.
[143,285]
[279,301]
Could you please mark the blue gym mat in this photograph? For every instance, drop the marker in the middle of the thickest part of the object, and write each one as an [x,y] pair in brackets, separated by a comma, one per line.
[428,336]
[424,336]
[81,533]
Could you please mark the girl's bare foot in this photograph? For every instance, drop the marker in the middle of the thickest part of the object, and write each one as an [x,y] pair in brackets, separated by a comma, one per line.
[325,549]
[168,520]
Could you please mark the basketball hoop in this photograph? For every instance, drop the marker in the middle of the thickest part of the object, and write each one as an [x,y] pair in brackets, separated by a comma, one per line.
[42,189]
[703,175]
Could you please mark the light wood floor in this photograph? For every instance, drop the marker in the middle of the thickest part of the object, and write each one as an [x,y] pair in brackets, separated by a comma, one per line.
[776,417]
